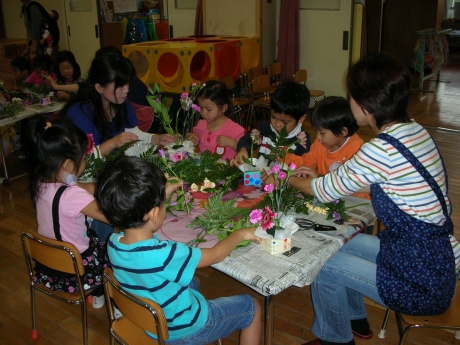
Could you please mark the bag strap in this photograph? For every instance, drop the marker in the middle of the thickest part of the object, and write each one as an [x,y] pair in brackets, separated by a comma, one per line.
[55,211]
[419,167]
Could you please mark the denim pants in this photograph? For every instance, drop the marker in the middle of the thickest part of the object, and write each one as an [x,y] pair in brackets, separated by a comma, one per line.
[102,230]
[337,292]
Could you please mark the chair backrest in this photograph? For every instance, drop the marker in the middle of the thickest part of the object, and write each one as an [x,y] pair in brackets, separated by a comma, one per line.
[274,71]
[58,255]
[255,72]
[300,76]
[260,83]
[142,312]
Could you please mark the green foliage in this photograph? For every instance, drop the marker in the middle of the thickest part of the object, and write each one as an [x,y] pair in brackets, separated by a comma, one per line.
[292,200]
[220,218]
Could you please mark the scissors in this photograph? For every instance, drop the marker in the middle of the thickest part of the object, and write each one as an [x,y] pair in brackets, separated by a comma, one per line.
[306,224]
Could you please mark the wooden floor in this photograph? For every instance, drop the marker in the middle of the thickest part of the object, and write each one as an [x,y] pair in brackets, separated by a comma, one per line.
[60,324]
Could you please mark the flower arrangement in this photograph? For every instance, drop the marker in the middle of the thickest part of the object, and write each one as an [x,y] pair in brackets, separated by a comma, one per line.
[188,109]
[334,210]
[14,106]
[256,139]
[41,89]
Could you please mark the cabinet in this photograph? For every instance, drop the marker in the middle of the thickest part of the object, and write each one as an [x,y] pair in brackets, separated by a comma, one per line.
[111,35]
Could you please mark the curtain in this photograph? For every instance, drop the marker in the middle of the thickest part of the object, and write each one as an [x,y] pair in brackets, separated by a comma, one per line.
[199,18]
[288,38]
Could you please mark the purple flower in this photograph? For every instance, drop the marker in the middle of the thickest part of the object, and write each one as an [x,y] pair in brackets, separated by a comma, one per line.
[292,166]
[275,169]
[335,202]
[162,153]
[255,216]
[269,188]
[282,175]
[336,215]
[196,107]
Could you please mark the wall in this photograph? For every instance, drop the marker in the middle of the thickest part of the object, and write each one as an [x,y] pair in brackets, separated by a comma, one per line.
[14,25]
[182,20]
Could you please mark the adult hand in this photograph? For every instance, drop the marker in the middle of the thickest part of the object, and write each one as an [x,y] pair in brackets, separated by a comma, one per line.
[162,139]
[238,160]
[123,138]
[305,172]
[248,234]
[195,139]
[172,184]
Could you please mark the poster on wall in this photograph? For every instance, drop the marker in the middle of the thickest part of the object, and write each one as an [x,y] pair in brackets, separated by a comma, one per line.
[122,6]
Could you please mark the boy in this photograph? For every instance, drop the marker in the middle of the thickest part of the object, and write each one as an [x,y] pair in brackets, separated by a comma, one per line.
[21,68]
[288,107]
[336,138]
[131,193]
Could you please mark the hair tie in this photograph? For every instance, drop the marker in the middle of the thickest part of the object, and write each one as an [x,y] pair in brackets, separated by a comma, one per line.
[48,125]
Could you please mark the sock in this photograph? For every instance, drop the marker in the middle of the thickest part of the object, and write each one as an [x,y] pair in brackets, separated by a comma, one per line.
[360,326]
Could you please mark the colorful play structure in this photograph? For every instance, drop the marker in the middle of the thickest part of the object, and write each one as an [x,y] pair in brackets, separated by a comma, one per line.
[176,63]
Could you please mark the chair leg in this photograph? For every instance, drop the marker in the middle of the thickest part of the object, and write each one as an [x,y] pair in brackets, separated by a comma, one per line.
[384,324]
[32,306]
[84,321]
[457,334]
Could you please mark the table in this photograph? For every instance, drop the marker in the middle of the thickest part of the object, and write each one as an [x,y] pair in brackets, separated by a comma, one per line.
[32,110]
[270,274]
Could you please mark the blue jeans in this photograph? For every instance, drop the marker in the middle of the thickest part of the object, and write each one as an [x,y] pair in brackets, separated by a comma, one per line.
[337,292]
[102,230]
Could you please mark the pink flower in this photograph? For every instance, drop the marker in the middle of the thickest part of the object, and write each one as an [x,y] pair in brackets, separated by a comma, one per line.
[292,166]
[268,188]
[267,219]
[282,175]
[91,144]
[302,138]
[255,136]
[255,216]
[196,107]
[162,153]
[275,169]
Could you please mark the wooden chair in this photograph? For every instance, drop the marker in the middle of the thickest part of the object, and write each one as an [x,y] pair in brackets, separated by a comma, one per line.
[449,320]
[259,86]
[61,256]
[139,314]
[301,77]
[274,71]
[240,104]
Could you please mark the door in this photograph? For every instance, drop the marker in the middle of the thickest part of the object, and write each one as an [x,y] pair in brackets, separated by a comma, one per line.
[325,45]
[82,31]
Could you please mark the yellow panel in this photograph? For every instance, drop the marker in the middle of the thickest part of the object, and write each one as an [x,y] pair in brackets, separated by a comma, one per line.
[249,51]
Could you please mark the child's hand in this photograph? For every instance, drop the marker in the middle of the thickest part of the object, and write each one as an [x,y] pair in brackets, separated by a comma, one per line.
[305,172]
[267,179]
[223,140]
[172,184]
[195,139]
[238,160]
[248,234]
[52,82]
[162,139]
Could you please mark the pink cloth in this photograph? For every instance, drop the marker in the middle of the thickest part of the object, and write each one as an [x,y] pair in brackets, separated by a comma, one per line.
[208,140]
[72,221]
[35,79]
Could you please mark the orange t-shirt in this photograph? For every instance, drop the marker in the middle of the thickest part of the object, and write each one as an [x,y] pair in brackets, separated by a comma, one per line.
[324,161]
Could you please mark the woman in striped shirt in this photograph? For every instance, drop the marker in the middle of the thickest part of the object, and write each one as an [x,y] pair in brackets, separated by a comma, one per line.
[410,267]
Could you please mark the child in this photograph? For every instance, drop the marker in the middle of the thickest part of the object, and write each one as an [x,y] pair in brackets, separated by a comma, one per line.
[47,39]
[336,138]
[42,66]
[67,72]
[131,193]
[21,68]
[288,105]
[56,156]
[216,132]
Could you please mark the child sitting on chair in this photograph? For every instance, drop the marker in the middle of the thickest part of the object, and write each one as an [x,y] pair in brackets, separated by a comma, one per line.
[131,193]
[288,107]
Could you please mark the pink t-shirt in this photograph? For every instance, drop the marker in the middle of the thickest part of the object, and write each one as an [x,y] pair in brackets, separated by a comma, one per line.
[208,140]
[35,79]
[72,221]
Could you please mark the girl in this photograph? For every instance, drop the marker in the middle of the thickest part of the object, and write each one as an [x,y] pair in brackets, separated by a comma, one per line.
[56,155]
[67,73]
[101,107]
[41,66]
[215,132]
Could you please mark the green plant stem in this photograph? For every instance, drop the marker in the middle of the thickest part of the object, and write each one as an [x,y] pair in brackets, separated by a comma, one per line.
[187,206]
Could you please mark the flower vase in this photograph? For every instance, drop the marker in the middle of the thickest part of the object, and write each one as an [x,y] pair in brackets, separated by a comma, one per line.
[251,173]
[178,152]
[278,239]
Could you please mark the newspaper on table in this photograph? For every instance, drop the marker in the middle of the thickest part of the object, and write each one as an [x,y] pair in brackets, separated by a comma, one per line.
[270,274]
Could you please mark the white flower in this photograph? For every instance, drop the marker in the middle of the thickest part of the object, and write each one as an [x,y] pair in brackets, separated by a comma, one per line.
[208,184]
[194,187]
[16,99]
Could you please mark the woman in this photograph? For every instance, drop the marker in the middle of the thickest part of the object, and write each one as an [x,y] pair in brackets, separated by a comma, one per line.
[410,267]
[101,107]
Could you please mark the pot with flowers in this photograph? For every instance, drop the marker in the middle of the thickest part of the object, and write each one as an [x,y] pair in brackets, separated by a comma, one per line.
[185,116]
[252,167]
